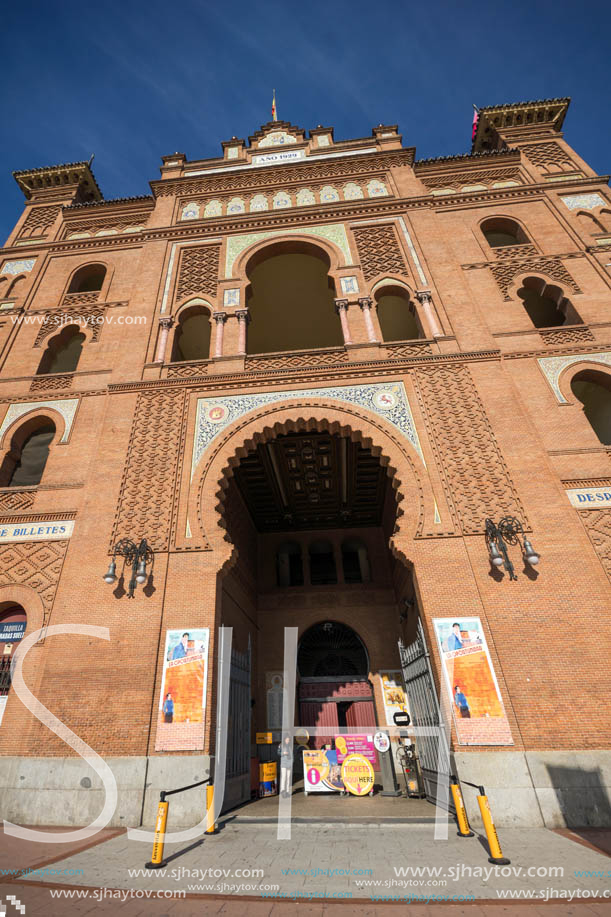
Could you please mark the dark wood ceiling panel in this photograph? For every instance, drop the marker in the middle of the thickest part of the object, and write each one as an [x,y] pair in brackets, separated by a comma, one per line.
[309,481]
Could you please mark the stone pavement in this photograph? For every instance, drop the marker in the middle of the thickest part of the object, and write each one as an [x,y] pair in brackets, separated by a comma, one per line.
[337,869]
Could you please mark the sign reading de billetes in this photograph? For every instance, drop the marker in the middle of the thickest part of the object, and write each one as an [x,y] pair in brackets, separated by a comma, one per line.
[34,530]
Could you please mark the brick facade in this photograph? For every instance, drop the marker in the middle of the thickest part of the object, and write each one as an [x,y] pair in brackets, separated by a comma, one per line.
[491,435]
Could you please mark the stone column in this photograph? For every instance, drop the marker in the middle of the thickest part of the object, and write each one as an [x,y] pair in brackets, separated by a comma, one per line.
[243,317]
[425,300]
[365,304]
[165,323]
[341,307]
[219,318]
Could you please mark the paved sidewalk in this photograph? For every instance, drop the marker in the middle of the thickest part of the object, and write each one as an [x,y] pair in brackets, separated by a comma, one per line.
[327,868]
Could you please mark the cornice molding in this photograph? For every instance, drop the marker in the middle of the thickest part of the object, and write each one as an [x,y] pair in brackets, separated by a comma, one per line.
[520,259]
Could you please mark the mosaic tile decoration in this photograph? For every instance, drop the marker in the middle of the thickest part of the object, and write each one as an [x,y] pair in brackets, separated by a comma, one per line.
[349,285]
[584,201]
[333,232]
[190,211]
[553,367]
[18,267]
[277,138]
[66,407]
[231,297]
[387,400]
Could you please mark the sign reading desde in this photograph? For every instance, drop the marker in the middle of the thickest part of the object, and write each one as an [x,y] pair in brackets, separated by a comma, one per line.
[37,531]
[590,497]
[357,774]
[182,704]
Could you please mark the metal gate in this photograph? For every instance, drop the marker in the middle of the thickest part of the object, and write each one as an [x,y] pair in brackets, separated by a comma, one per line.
[237,786]
[424,709]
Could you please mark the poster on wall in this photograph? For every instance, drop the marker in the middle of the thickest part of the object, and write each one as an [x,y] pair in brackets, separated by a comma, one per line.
[479,714]
[321,771]
[393,694]
[346,745]
[182,703]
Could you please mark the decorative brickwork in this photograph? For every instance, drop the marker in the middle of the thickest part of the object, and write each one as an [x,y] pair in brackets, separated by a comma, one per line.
[505,252]
[51,382]
[187,370]
[148,489]
[476,479]
[379,251]
[296,360]
[38,220]
[456,182]
[35,565]
[567,336]
[15,501]
[409,349]
[505,272]
[198,271]
[597,523]
[545,154]
[93,317]
[72,299]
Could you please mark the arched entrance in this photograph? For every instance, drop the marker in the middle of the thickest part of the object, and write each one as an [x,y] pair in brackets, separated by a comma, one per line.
[334,688]
[13,624]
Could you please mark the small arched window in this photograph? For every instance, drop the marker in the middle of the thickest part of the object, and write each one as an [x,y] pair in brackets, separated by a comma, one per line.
[24,464]
[63,352]
[593,389]
[88,279]
[355,561]
[192,336]
[397,315]
[499,232]
[546,304]
[322,564]
[289,564]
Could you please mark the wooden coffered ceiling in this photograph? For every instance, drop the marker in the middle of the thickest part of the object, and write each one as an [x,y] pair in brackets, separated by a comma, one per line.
[312,481]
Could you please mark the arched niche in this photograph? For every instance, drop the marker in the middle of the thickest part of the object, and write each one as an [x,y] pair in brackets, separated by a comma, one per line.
[546,304]
[396,314]
[500,232]
[24,462]
[593,390]
[193,333]
[290,299]
[333,650]
[87,279]
[63,352]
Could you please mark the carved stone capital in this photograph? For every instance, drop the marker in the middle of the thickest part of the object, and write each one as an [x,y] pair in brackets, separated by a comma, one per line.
[166,322]
[423,296]
[243,315]
[341,305]
[219,317]
[365,302]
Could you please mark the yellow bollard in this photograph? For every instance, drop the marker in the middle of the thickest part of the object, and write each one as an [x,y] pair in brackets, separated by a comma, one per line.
[464,829]
[496,854]
[212,828]
[157,860]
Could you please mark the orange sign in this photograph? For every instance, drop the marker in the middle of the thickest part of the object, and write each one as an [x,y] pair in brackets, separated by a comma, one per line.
[264,738]
[357,775]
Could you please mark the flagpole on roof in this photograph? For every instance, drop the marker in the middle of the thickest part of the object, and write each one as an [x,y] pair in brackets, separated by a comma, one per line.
[274,113]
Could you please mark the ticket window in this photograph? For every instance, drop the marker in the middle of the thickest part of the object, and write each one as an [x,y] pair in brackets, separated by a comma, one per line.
[12,631]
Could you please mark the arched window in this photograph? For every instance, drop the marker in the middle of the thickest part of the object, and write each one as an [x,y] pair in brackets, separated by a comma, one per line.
[24,464]
[499,232]
[331,649]
[192,337]
[546,304]
[593,389]
[13,624]
[291,300]
[322,564]
[63,352]
[16,287]
[396,315]
[589,223]
[289,564]
[355,561]
[88,279]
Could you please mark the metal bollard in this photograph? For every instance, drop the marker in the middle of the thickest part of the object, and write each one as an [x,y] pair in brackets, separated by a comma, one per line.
[212,826]
[464,829]
[496,854]
[157,860]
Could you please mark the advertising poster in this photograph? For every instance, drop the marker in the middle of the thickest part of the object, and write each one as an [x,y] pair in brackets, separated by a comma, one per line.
[393,694]
[479,714]
[182,702]
[356,745]
[321,771]
[357,775]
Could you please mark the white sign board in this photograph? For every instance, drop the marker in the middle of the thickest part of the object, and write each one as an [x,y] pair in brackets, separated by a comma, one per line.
[36,531]
[590,497]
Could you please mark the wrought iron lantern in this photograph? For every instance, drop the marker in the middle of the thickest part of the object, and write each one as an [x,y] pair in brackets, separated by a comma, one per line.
[508,531]
[138,555]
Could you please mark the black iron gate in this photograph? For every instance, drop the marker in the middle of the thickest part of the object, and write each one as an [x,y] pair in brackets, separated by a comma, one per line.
[424,708]
[237,786]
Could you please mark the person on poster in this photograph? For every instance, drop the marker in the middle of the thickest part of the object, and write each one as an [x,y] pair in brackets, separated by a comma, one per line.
[454,641]
[181,649]
[168,708]
[285,750]
[461,702]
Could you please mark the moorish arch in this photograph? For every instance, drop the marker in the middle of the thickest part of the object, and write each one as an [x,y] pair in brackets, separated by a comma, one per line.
[404,467]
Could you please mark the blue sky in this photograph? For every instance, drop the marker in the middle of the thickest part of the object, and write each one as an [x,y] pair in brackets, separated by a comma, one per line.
[131,81]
